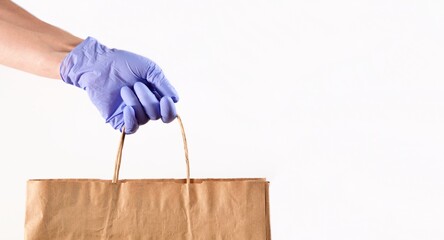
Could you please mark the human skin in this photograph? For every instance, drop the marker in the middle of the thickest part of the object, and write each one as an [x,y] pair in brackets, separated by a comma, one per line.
[30,44]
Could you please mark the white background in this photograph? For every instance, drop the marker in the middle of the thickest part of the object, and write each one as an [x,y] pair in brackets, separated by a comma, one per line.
[338,103]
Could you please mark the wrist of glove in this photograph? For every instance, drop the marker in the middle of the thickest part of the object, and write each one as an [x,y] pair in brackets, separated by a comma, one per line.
[127,89]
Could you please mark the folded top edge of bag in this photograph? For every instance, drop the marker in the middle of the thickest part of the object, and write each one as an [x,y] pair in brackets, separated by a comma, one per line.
[192,180]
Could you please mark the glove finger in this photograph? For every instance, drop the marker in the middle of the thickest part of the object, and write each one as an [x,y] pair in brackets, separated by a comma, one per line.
[167,109]
[130,99]
[162,85]
[129,119]
[167,90]
[148,100]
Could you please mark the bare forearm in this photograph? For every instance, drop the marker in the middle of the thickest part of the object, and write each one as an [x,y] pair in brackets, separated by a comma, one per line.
[31,45]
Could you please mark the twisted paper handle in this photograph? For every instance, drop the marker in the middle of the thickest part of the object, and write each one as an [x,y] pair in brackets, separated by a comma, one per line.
[120,149]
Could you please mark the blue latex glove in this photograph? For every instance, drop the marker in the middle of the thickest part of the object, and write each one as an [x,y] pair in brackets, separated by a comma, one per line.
[127,89]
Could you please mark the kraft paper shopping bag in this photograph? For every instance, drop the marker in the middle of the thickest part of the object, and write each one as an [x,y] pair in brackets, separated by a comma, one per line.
[173,209]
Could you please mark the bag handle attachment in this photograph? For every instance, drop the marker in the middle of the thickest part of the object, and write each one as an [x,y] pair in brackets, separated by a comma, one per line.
[120,149]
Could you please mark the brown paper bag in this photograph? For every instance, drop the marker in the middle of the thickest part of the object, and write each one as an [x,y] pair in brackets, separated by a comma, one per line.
[155,209]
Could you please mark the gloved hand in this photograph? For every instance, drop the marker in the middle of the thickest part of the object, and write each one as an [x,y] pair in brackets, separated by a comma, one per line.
[127,89]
